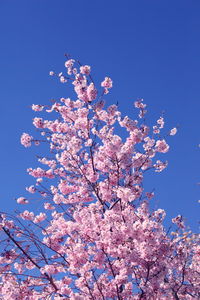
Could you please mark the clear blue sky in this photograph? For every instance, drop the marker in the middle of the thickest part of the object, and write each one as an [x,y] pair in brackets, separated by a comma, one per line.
[150,49]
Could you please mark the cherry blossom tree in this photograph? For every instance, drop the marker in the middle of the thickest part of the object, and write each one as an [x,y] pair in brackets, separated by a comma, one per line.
[94,235]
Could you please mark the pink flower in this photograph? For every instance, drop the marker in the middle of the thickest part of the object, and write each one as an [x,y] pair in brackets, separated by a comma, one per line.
[63,79]
[156,130]
[178,221]
[161,122]
[162,146]
[173,131]
[38,172]
[139,104]
[69,63]
[26,215]
[48,206]
[38,122]
[26,140]
[37,107]
[107,83]
[31,189]
[160,166]
[39,218]
[22,200]
[85,70]
[150,195]
[91,92]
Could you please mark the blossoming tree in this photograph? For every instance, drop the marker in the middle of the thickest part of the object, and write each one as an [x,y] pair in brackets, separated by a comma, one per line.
[95,236]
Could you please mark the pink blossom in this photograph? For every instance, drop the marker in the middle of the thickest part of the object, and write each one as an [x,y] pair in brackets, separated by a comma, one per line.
[69,63]
[91,92]
[22,200]
[18,267]
[178,221]
[37,107]
[160,166]
[162,146]
[26,215]
[85,69]
[39,218]
[31,189]
[38,172]
[26,140]
[173,131]
[38,180]
[161,122]
[48,206]
[139,104]
[107,83]
[156,130]
[38,123]
[49,269]
[63,79]
[150,195]
[58,198]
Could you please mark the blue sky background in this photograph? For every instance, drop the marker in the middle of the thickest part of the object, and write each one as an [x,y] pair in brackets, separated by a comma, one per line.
[149,48]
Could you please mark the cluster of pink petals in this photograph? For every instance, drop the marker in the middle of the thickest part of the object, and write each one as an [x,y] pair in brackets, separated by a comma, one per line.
[31,189]
[107,84]
[141,105]
[162,146]
[37,107]
[173,131]
[85,70]
[22,200]
[39,218]
[160,166]
[26,140]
